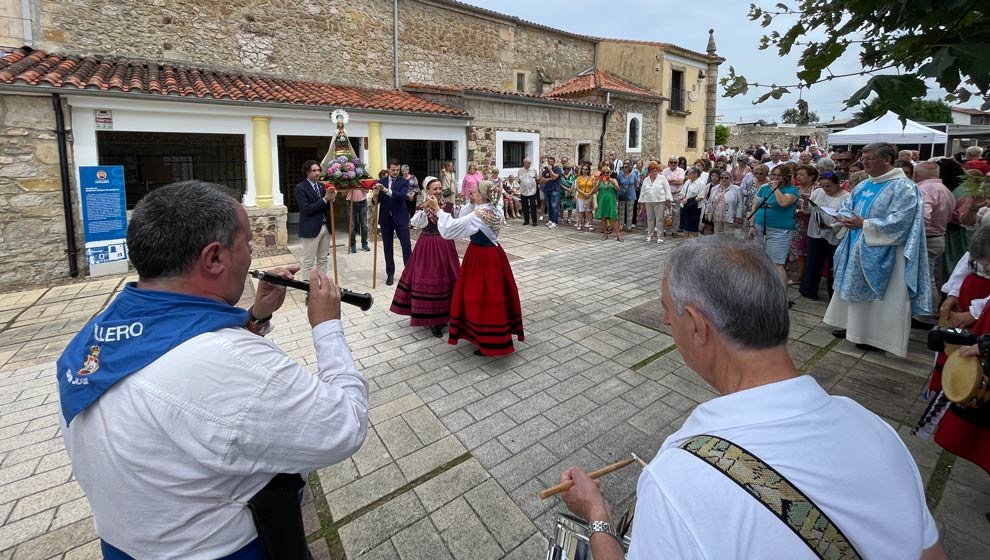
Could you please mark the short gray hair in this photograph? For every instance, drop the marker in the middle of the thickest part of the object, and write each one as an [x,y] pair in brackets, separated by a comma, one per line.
[826,164]
[882,150]
[735,285]
[979,244]
[171,225]
[974,151]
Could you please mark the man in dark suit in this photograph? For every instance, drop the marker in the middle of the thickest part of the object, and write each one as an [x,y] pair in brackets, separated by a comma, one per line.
[393,217]
[314,203]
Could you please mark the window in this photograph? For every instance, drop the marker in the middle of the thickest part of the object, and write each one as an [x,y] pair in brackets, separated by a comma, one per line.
[634,132]
[692,140]
[678,95]
[584,152]
[155,159]
[513,154]
[521,82]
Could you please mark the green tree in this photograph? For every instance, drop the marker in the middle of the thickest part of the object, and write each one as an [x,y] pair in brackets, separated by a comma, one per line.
[795,116]
[924,110]
[946,41]
[721,135]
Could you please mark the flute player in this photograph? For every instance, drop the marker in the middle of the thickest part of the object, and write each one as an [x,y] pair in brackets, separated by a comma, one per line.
[177,413]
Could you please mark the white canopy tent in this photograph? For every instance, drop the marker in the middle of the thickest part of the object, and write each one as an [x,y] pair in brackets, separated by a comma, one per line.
[888,128]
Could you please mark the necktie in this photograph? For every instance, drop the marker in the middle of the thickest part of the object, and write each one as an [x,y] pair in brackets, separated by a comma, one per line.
[316,188]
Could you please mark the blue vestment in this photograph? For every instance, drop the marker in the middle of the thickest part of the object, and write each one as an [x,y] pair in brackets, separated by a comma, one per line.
[890,205]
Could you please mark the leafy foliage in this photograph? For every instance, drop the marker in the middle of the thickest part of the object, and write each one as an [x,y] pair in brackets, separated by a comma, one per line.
[795,116]
[721,135]
[976,185]
[946,41]
[924,110]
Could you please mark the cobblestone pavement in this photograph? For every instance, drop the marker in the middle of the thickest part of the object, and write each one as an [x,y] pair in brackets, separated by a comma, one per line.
[460,445]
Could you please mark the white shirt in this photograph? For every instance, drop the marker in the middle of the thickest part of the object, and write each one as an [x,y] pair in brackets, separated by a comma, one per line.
[527,181]
[955,281]
[466,225]
[170,454]
[825,230]
[846,459]
[655,190]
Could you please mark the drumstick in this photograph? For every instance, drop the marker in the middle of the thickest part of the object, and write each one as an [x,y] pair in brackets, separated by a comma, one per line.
[565,486]
[641,462]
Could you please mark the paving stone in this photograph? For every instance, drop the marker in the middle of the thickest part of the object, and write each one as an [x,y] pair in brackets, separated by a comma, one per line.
[87,551]
[384,551]
[443,488]
[420,541]
[338,475]
[25,529]
[491,453]
[523,466]
[438,453]
[530,407]
[528,499]
[465,535]
[527,433]
[32,485]
[506,522]
[534,547]
[56,541]
[457,420]
[365,490]
[427,427]
[380,524]
[498,382]
[480,432]
[399,438]
[47,499]
[459,399]
[491,404]
[394,408]
[373,455]
[388,394]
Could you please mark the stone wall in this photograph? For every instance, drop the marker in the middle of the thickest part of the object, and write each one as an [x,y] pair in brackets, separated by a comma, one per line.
[615,137]
[324,40]
[561,129]
[32,225]
[269,230]
[744,136]
[331,41]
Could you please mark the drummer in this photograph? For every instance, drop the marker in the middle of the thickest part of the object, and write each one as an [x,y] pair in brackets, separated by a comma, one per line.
[730,324]
[961,430]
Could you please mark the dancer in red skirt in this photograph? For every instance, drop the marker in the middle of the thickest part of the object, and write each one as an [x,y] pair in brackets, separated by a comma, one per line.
[485,310]
[963,431]
[427,282]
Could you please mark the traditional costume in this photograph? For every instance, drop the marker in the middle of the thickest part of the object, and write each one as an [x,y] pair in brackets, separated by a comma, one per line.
[485,309]
[881,269]
[962,431]
[427,282]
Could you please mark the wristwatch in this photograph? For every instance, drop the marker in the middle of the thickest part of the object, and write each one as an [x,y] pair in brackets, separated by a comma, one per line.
[602,527]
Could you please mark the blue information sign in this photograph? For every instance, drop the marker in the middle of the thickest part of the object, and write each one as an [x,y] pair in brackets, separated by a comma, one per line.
[104,213]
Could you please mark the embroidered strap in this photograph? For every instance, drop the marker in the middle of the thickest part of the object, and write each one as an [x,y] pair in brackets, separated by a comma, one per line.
[776,493]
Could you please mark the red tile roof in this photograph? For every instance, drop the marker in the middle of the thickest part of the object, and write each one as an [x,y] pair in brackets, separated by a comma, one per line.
[501,93]
[599,80]
[967,111]
[94,73]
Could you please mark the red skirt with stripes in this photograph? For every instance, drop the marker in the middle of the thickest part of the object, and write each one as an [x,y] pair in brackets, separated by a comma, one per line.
[485,310]
[427,283]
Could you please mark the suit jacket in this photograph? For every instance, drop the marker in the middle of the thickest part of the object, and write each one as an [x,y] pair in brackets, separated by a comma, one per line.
[393,209]
[312,208]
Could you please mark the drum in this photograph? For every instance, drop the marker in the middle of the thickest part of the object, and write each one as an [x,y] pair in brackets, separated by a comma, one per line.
[571,541]
[964,382]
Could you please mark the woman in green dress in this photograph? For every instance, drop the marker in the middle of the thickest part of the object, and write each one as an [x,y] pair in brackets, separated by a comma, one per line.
[567,187]
[608,203]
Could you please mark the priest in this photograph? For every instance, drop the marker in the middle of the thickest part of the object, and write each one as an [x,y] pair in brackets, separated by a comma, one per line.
[881,264]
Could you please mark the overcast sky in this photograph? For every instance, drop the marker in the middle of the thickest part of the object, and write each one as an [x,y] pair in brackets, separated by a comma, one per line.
[686,23]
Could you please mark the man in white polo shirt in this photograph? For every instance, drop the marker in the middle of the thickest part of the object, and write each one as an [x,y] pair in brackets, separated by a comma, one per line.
[727,311]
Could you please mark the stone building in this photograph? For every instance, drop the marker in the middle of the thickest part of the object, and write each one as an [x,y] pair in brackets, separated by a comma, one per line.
[780,135]
[239,92]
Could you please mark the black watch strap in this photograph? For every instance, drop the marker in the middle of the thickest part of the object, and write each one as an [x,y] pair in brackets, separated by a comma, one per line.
[257,320]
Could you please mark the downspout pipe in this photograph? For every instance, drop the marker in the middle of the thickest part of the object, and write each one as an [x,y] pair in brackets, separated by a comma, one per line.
[395,44]
[605,116]
[63,167]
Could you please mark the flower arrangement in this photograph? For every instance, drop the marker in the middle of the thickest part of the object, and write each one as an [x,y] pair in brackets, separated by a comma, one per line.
[345,172]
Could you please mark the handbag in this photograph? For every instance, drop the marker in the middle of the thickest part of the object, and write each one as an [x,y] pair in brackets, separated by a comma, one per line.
[766,485]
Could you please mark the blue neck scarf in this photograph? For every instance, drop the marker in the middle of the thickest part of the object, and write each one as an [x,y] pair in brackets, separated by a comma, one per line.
[136,329]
